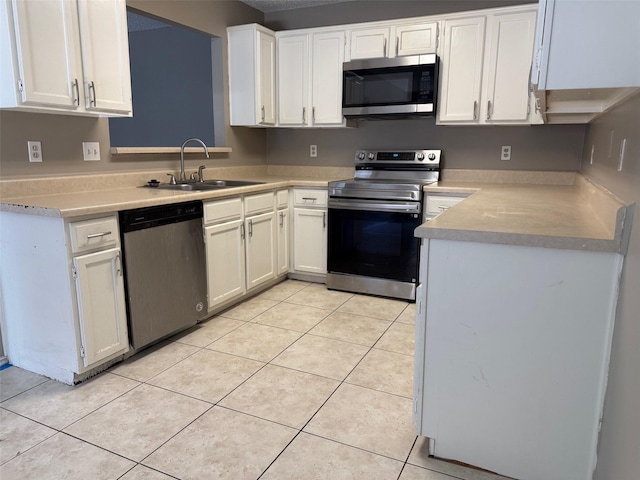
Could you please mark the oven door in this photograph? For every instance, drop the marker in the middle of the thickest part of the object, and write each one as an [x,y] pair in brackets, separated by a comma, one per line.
[373,239]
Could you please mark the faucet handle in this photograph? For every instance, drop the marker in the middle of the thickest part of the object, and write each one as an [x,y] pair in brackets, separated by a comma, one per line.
[172,180]
[201,172]
[193,177]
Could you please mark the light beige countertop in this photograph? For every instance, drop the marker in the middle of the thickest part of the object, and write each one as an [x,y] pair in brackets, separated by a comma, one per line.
[582,216]
[77,196]
[541,209]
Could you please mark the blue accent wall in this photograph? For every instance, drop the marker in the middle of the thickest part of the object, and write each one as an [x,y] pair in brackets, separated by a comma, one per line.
[171,80]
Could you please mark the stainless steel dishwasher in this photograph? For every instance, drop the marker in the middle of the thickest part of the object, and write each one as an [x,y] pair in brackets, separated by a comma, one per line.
[165,272]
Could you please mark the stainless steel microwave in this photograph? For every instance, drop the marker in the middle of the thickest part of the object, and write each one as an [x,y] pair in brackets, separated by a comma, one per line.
[399,86]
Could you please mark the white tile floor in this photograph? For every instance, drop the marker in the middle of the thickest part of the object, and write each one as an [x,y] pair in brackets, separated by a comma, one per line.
[296,383]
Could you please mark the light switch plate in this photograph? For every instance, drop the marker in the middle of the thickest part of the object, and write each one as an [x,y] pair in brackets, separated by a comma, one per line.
[91,151]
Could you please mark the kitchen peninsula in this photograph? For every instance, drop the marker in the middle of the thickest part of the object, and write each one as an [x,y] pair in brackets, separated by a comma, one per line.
[516,308]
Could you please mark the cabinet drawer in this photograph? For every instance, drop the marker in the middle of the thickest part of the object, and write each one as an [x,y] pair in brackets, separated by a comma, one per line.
[282,198]
[262,202]
[437,204]
[222,210]
[309,197]
[92,234]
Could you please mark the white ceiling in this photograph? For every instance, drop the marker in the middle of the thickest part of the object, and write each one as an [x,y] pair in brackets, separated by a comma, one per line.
[267,6]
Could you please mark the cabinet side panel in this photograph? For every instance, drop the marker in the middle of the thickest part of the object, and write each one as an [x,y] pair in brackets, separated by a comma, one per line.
[40,332]
[519,340]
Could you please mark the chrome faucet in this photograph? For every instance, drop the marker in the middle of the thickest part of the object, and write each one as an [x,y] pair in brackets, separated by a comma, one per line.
[183,175]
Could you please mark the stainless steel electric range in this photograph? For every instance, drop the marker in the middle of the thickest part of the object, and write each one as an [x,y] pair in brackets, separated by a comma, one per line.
[371,222]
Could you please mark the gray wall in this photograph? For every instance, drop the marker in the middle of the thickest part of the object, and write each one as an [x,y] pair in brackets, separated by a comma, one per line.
[62,135]
[619,448]
[542,147]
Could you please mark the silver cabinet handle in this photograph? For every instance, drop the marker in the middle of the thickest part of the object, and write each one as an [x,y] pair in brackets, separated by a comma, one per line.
[251,228]
[262,113]
[304,115]
[118,265]
[397,46]
[313,114]
[384,47]
[282,219]
[488,109]
[92,93]
[98,235]
[242,231]
[76,100]
[324,219]
[475,110]
[309,198]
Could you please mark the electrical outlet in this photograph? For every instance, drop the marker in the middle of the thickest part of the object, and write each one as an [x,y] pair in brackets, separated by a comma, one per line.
[623,147]
[91,151]
[35,151]
[313,150]
[505,153]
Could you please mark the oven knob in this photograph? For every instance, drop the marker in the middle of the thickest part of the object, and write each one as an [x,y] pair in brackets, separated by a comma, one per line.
[361,155]
[432,156]
[420,156]
[372,156]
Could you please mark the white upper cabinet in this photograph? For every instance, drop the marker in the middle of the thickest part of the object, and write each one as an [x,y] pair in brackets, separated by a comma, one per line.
[293,80]
[369,43]
[310,78]
[485,63]
[416,39]
[510,52]
[105,55]
[461,66]
[65,56]
[326,78]
[252,71]
[392,40]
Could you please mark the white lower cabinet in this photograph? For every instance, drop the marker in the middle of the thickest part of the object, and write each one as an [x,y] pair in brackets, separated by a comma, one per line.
[241,241]
[224,246]
[101,306]
[63,294]
[282,232]
[310,231]
[260,248]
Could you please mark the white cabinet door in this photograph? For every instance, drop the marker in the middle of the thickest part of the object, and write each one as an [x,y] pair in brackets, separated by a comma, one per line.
[416,39]
[293,80]
[260,248]
[47,53]
[510,52]
[251,61]
[461,64]
[310,240]
[104,42]
[326,78]
[267,78]
[369,43]
[224,246]
[101,305]
[283,241]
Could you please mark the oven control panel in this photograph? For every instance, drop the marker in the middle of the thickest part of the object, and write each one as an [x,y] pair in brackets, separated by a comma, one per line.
[406,157]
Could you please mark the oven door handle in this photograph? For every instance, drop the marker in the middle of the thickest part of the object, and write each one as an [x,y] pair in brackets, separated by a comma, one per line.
[374,207]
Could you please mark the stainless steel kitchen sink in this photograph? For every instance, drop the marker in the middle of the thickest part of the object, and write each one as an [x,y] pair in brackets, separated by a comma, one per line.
[206,185]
